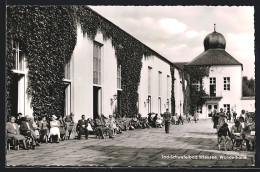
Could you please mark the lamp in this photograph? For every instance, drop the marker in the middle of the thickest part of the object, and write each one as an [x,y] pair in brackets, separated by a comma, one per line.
[113,99]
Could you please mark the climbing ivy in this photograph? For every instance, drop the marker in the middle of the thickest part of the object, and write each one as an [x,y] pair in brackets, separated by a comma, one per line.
[172,68]
[193,96]
[48,36]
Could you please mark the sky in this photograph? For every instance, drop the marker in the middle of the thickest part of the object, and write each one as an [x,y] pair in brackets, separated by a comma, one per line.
[177,32]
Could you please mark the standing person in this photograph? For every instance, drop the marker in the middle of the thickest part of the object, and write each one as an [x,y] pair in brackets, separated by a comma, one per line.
[167,119]
[215,119]
[222,117]
[62,127]
[228,114]
[196,116]
[243,114]
[234,116]
[82,127]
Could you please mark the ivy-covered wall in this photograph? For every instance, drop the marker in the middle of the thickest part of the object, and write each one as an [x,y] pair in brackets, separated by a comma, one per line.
[193,97]
[48,36]
[172,91]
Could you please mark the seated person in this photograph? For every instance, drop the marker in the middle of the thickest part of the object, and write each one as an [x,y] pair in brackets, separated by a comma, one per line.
[19,118]
[159,122]
[35,126]
[54,130]
[145,123]
[112,124]
[102,127]
[225,134]
[82,127]
[69,121]
[248,133]
[125,127]
[150,120]
[236,132]
[135,122]
[119,124]
[13,132]
[44,129]
[26,129]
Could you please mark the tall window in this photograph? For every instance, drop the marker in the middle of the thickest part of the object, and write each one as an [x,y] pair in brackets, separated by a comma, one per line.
[226,107]
[212,82]
[149,80]
[226,83]
[159,83]
[67,70]
[97,64]
[19,56]
[168,82]
[119,79]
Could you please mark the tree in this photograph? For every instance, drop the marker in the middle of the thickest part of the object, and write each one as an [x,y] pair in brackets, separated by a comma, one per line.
[248,87]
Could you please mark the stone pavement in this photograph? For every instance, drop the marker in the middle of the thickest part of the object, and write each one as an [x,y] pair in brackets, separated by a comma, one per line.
[191,144]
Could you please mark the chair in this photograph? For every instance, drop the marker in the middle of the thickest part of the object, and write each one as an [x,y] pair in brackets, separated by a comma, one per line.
[11,144]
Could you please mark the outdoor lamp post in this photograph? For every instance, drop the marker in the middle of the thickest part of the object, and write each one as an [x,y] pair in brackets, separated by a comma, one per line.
[113,99]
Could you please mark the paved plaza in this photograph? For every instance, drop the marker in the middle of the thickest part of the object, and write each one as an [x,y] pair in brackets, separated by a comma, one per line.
[196,143]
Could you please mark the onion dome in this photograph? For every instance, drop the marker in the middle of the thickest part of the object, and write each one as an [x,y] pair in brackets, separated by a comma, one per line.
[214,40]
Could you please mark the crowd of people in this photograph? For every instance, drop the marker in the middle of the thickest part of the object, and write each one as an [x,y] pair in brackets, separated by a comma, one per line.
[31,131]
[241,132]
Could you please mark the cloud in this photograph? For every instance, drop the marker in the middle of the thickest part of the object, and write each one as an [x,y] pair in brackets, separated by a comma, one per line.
[191,34]
[172,25]
[177,32]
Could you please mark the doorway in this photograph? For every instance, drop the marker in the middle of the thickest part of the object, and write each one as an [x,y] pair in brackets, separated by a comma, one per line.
[149,104]
[17,94]
[211,108]
[96,102]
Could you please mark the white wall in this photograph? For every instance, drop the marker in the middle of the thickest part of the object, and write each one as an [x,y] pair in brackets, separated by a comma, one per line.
[232,97]
[82,76]
[157,65]
[178,93]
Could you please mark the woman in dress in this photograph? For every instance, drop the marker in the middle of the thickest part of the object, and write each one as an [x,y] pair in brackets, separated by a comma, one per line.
[12,130]
[54,130]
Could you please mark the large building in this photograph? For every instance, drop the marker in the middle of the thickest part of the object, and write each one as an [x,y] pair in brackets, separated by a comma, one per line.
[93,80]
[223,85]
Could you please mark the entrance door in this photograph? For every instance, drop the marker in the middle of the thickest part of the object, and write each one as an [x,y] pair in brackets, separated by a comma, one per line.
[96,102]
[149,104]
[211,108]
[17,94]
[67,100]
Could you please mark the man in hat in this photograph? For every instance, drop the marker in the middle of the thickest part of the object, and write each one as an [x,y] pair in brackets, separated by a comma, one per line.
[82,127]
[167,119]
[26,129]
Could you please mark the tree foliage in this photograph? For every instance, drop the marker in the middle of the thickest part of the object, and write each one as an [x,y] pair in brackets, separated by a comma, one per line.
[248,87]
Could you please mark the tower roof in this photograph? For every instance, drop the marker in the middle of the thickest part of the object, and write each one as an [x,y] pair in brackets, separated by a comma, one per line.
[214,54]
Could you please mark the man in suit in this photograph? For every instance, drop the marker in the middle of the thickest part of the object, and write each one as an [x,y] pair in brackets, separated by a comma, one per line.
[82,127]
[12,130]
[27,129]
[167,119]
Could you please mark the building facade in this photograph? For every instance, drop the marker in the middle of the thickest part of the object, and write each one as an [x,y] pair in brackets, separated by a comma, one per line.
[93,81]
[223,85]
